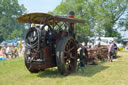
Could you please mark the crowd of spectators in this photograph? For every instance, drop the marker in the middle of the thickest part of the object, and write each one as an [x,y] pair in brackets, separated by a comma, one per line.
[11,51]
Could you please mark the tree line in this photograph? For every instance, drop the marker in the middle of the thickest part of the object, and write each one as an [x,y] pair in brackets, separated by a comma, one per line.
[102,17]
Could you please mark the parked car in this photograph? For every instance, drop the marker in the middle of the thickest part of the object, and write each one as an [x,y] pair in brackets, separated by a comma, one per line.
[120,46]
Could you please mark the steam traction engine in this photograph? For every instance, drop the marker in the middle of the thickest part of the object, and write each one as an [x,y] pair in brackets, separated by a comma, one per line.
[51,43]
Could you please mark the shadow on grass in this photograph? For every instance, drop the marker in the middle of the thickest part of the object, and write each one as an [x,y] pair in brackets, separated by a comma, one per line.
[51,72]
[88,71]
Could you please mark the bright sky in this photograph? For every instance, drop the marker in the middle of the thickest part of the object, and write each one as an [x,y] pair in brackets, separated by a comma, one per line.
[40,5]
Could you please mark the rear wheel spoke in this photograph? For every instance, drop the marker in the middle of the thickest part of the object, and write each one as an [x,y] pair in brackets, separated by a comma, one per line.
[65,57]
[71,49]
[70,66]
[72,57]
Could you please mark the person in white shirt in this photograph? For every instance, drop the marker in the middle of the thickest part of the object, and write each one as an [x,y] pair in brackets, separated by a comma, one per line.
[110,51]
[7,51]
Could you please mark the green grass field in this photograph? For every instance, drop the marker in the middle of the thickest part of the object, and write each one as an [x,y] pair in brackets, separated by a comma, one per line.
[13,72]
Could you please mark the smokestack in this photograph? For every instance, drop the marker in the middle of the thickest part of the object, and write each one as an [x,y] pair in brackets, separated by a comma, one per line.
[71,14]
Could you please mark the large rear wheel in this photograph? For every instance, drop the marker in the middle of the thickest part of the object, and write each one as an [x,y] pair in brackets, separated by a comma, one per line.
[66,55]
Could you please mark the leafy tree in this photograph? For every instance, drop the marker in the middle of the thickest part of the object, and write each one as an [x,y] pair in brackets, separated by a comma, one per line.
[101,16]
[110,13]
[9,27]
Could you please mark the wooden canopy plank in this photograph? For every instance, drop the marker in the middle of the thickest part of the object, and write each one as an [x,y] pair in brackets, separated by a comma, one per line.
[39,18]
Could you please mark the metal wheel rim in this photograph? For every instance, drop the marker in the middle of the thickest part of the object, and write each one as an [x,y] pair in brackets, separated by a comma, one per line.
[70,56]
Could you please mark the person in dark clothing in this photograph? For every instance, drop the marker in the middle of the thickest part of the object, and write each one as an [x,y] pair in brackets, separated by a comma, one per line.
[115,50]
[83,56]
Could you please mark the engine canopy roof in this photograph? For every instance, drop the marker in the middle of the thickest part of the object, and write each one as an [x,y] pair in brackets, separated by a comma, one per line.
[44,18]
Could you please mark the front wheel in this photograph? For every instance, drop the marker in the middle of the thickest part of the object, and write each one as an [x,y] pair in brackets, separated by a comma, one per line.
[27,60]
